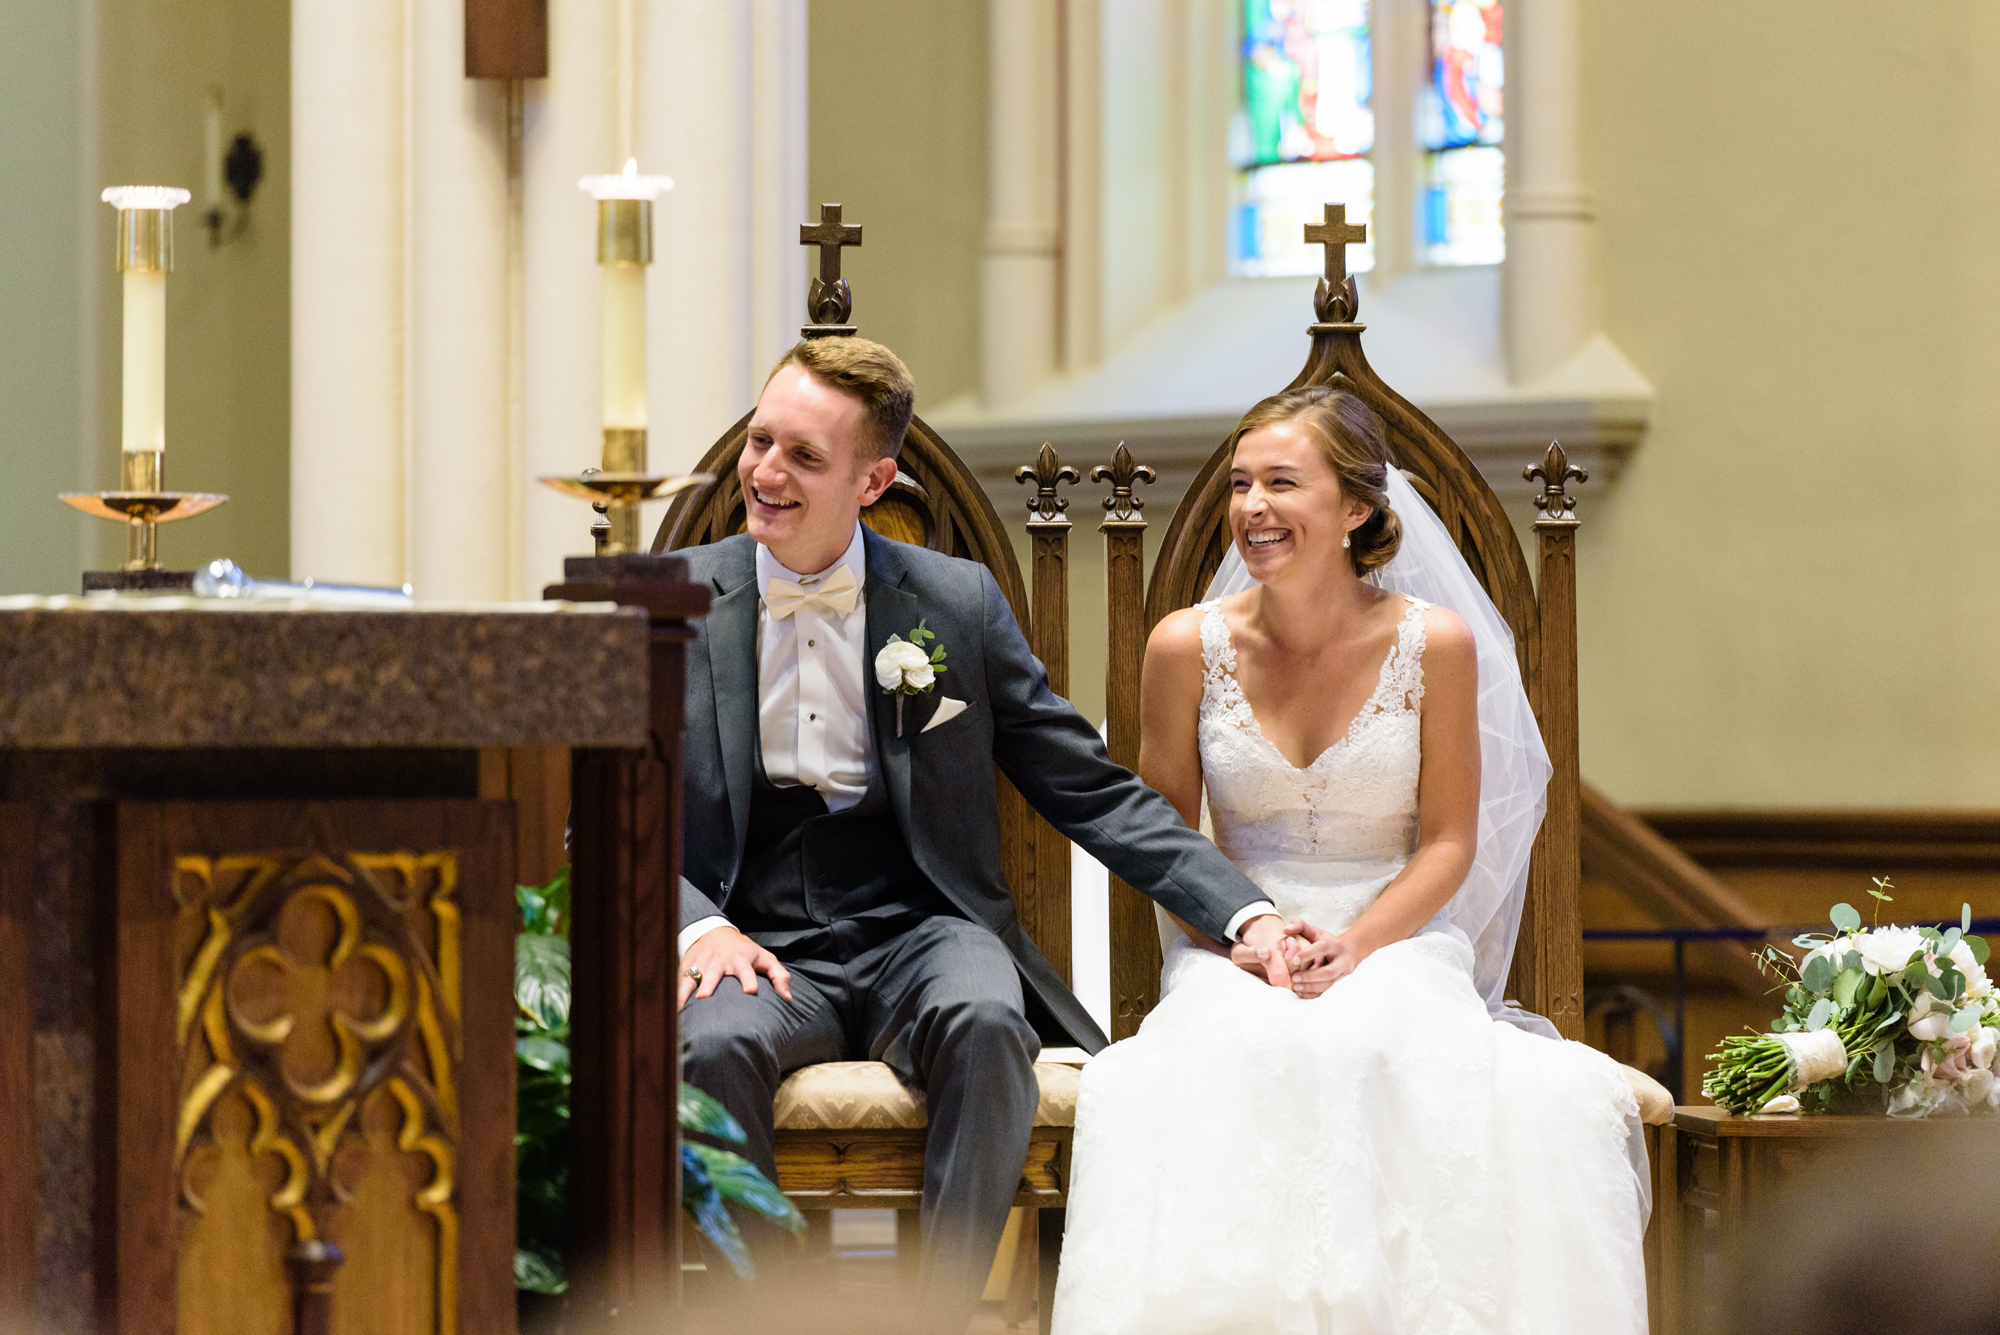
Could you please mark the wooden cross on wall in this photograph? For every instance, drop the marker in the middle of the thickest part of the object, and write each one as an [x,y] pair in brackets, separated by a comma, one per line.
[829,300]
[1335,300]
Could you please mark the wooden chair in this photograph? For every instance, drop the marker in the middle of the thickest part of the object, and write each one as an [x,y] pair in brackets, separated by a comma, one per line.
[849,1135]
[1548,970]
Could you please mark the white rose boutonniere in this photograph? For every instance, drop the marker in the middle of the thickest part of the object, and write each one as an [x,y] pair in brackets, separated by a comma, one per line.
[907,667]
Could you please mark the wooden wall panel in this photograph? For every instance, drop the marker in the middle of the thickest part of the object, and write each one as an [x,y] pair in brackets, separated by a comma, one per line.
[231,916]
[17,1069]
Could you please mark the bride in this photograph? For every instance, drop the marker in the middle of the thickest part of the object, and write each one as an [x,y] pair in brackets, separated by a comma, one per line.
[1392,1147]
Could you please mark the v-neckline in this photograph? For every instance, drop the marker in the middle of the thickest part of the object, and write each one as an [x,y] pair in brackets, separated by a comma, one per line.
[1347,734]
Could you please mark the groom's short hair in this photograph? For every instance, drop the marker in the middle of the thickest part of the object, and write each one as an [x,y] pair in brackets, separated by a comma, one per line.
[868,371]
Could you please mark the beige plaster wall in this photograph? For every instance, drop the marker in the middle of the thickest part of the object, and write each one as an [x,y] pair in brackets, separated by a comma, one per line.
[42,330]
[228,308]
[898,137]
[1789,597]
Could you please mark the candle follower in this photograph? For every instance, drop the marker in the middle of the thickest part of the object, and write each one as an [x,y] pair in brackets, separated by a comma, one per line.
[145,240]
[624,231]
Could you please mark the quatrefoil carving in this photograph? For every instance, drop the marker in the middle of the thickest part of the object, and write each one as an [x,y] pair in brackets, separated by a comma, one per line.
[319,993]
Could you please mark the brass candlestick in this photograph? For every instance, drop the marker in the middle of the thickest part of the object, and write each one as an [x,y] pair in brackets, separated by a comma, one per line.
[142,503]
[624,249]
[622,485]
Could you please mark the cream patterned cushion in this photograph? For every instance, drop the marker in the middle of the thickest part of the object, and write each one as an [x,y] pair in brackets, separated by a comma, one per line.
[867,1096]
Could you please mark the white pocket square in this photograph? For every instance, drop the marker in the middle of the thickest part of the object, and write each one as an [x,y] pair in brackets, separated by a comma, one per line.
[947,710]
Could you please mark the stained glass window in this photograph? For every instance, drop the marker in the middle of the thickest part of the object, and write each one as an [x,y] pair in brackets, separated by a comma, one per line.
[1464,170]
[1304,132]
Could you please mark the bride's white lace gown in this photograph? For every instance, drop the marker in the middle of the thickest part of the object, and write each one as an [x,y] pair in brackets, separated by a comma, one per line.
[1383,1158]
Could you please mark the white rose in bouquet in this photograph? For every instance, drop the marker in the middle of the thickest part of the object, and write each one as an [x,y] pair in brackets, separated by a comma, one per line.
[1977,1087]
[902,664]
[1887,949]
[1985,1044]
[1931,1027]
[1976,982]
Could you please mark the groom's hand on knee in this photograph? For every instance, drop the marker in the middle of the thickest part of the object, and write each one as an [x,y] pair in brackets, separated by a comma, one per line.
[727,953]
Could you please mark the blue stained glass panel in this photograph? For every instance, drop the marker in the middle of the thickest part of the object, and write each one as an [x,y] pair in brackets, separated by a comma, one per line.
[1462,128]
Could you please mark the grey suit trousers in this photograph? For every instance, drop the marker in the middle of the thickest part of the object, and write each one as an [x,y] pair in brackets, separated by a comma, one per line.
[941,1005]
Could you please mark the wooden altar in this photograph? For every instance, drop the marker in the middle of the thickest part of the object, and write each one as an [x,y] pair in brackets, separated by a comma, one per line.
[256,953]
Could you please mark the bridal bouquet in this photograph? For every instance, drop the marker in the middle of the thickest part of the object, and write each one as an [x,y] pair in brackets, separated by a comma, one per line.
[1897,1015]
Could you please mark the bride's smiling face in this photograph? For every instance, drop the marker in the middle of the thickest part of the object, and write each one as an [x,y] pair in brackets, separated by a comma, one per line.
[1287,513]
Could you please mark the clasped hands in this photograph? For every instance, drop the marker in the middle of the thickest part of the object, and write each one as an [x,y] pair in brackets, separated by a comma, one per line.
[1295,954]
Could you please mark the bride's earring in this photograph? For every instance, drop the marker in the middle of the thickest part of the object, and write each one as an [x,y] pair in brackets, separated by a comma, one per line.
[1344,542]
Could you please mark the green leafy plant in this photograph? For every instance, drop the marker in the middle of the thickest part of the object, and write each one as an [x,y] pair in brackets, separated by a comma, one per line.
[541,1051]
[713,1179]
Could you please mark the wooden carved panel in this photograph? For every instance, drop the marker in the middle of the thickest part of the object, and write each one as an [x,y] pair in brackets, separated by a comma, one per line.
[338,990]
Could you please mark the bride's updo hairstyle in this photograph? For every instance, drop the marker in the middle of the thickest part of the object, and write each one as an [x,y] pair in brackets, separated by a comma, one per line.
[1355,446]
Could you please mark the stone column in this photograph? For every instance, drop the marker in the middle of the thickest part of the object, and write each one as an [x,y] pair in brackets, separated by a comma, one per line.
[1020,276]
[1551,216]
[347,290]
[720,108]
[461,479]
[445,316]
[569,130]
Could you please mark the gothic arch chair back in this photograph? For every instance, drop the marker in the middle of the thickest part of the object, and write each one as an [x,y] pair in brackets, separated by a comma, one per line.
[1547,973]
[848,1134]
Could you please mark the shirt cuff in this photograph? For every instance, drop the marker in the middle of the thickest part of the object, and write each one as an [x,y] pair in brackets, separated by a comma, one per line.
[1243,915]
[696,930]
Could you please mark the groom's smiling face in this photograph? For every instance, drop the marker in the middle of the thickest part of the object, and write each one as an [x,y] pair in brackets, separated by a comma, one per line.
[809,466]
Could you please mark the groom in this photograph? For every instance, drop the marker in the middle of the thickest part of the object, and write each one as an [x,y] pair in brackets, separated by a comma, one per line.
[843,897]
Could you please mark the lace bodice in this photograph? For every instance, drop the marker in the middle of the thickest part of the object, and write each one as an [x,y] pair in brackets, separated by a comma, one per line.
[1357,800]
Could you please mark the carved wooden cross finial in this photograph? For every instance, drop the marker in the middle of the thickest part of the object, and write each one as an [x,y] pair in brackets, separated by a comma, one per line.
[1555,472]
[1336,234]
[830,234]
[1046,507]
[830,300]
[1335,300]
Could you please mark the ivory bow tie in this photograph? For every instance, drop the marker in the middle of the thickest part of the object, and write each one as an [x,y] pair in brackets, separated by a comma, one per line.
[836,593]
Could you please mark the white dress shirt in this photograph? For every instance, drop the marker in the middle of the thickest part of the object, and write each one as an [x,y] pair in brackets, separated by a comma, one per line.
[812,697]
[812,700]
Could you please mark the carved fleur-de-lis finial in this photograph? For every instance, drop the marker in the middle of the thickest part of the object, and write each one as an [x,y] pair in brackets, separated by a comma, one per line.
[1045,507]
[1555,472]
[1124,473]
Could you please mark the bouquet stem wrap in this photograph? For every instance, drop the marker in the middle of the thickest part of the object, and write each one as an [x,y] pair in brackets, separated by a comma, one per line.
[1816,1056]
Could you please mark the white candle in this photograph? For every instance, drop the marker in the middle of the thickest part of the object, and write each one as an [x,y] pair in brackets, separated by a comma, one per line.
[145,361]
[624,345]
[624,248]
[145,253]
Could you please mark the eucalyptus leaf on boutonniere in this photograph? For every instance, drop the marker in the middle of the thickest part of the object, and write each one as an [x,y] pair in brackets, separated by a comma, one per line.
[907,667]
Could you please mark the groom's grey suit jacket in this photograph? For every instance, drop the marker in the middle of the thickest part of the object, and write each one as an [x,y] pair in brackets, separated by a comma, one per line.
[940,783]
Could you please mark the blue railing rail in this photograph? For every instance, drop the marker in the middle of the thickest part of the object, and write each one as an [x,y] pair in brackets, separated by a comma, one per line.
[1679,937]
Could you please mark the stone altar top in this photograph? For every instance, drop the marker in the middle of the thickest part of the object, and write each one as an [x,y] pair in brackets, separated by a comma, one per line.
[136,672]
